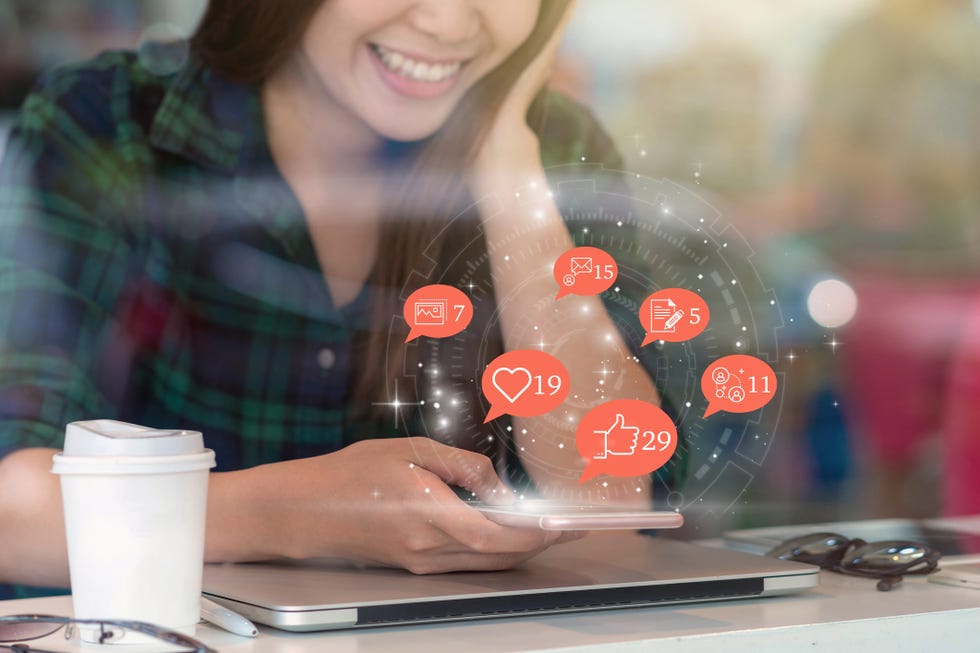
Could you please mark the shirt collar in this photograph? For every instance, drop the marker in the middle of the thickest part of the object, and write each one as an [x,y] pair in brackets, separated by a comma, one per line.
[214,122]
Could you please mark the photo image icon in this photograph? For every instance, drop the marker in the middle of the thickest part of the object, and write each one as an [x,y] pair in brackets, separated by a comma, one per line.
[437,311]
[430,312]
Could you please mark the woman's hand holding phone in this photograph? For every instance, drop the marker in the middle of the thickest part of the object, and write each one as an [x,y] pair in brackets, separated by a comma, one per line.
[383,502]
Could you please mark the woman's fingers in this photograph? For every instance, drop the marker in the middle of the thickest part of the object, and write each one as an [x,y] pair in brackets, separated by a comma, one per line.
[466,469]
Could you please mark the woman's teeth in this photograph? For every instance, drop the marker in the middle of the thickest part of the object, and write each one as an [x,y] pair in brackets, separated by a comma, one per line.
[399,64]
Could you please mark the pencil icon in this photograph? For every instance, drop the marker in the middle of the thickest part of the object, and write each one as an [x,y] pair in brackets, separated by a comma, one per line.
[673,319]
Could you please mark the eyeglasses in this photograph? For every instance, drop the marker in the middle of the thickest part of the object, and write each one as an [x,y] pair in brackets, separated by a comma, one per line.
[887,561]
[25,627]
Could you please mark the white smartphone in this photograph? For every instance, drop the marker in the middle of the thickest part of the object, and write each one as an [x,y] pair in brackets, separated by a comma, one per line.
[551,516]
[965,575]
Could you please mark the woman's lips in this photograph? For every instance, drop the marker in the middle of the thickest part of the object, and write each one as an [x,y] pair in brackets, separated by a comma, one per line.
[414,78]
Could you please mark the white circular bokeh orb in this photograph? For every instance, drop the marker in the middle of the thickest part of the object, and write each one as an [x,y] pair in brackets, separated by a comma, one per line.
[832,303]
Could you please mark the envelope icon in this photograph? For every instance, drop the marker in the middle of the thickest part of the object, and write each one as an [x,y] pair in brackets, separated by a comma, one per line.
[581,265]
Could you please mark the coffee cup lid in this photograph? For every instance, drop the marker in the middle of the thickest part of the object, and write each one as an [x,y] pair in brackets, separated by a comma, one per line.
[106,437]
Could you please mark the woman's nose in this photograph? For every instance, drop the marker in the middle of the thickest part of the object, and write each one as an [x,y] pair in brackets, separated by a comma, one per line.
[447,21]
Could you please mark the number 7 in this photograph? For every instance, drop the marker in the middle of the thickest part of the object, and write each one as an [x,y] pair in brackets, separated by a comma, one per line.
[459,308]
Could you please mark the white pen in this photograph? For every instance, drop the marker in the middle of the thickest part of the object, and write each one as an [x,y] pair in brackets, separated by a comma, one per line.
[224,618]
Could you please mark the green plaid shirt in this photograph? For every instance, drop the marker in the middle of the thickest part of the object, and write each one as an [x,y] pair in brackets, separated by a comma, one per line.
[155,268]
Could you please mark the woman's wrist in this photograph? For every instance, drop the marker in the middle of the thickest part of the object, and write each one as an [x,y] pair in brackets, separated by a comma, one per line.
[506,162]
[242,517]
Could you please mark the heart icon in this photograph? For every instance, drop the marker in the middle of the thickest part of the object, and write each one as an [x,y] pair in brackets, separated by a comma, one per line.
[511,382]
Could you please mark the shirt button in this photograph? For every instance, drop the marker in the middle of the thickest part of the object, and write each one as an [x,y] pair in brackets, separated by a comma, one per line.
[326,358]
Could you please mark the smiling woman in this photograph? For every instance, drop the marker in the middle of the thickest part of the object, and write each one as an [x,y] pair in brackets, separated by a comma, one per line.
[401,67]
[223,248]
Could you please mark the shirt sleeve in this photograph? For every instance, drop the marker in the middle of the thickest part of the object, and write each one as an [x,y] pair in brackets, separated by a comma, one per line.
[63,263]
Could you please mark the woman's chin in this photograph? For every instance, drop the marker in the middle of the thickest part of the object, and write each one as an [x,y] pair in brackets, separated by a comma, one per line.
[404,132]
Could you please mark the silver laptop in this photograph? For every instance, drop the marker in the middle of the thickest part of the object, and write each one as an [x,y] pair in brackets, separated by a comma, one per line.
[599,572]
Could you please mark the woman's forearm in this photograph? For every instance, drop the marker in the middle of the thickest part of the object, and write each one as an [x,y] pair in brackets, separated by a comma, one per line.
[32,526]
[515,199]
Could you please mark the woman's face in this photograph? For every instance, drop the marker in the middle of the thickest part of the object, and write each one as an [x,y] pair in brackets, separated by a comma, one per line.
[401,66]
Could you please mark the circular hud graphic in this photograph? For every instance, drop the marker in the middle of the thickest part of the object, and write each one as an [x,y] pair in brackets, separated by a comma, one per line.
[661,235]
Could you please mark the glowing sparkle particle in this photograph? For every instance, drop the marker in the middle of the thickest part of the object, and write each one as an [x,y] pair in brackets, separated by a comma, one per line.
[435,405]
[507,258]
[524,431]
[561,445]
[619,223]
[411,465]
[427,490]
[700,276]
[605,484]
[687,404]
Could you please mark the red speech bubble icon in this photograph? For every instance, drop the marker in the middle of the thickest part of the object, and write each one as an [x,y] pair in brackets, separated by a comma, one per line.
[625,437]
[437,311]
[525,383]
[673,315]
[584,271]
[738,384]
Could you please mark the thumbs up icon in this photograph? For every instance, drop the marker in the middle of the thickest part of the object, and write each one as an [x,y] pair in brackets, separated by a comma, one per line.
[618,440]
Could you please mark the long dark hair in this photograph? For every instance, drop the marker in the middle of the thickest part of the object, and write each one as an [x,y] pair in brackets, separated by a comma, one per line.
[247,40]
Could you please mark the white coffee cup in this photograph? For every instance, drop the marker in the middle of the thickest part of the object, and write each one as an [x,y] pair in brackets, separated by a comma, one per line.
[135,500]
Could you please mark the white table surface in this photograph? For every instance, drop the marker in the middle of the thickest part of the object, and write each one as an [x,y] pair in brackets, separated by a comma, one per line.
[843,614]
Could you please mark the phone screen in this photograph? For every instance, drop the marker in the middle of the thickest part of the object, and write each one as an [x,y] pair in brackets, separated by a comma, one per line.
[550,516]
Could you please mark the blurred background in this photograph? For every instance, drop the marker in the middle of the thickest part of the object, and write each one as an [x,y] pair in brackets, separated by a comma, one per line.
[840,138]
